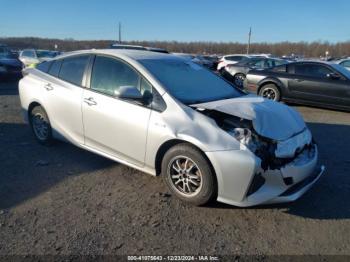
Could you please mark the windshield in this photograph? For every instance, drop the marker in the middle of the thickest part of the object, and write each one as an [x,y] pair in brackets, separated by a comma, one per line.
[189,82]
[5,53]
[44,54]
[342,70]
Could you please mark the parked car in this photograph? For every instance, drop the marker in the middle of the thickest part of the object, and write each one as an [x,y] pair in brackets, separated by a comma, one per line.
[10,66]
[33,56]
[309,82]
[201,60]
[344,62]
[236,73]
[164,115]
[230,60]
[185,56]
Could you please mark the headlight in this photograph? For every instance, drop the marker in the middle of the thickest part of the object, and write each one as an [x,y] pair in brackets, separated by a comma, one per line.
[3,69]
[244,136]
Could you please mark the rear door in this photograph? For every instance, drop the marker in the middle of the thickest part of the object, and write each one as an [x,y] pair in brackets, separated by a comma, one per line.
[115,126]
[311,82]
[62,94]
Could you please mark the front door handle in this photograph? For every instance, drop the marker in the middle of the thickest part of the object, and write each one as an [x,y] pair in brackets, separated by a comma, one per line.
[48,87]
[90,101]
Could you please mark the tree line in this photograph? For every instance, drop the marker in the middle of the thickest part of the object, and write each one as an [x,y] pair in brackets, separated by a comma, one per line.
[307,49]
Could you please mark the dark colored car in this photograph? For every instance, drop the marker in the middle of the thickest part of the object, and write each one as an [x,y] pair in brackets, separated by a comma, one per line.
[236,73]
[10,66]
[314,83]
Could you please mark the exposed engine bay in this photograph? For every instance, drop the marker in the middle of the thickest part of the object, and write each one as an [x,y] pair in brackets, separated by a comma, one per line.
[273,154]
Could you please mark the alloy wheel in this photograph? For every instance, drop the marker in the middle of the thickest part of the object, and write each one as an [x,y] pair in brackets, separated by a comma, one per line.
[40,127]
[185,175]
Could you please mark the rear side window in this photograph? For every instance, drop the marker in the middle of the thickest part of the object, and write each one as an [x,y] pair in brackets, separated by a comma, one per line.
[312,70]
[72,69]
[234,58]
[44,66]
[55,68]
[109,74]
[281,69]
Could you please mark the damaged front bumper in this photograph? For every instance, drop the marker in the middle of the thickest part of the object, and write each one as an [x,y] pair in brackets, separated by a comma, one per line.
[242,181]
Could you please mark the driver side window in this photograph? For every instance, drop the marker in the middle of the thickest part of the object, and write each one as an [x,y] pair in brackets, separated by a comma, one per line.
[109,74]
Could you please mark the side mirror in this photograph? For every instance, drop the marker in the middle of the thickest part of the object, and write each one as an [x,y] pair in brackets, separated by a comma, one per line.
[333,76]
[129,92]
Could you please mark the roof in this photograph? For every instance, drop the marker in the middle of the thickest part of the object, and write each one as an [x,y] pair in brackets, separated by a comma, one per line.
[129,53]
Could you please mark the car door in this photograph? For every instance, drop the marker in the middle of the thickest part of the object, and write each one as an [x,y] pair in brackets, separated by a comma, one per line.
[310,82]
[114,126]
[62,93]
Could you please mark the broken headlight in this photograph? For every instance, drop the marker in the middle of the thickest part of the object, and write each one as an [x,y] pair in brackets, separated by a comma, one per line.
[245,137]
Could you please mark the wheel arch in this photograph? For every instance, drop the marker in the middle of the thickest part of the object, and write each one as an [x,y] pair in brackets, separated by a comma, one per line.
[173,142]
[169,144]
[32,105]
[273,81]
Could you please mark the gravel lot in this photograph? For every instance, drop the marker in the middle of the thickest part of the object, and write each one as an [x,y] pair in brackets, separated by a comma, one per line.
[64,200]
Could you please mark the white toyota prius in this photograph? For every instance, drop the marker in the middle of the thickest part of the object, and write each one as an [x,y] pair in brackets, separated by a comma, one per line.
[165,115]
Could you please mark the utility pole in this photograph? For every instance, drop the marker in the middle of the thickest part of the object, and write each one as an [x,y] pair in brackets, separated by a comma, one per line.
[249,36]
[120,33]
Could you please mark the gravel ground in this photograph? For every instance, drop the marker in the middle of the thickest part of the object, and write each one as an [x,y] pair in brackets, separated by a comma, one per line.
[64,200]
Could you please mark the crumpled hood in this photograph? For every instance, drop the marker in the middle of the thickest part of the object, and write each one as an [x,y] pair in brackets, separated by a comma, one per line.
[270,119]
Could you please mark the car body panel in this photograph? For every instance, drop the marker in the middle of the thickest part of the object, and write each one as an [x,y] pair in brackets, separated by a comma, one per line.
[327,92]
[133,134]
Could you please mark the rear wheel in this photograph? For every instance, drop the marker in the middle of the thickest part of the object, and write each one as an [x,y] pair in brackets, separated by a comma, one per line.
[188,174]
[270,91]
[40,124]
[238,80]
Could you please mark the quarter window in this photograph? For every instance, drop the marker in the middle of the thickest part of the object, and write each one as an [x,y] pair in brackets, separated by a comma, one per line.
[109,74]
[44,66]
[72,69]
[55,68]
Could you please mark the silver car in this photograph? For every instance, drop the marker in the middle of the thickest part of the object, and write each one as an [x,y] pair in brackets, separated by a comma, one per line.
[165,115]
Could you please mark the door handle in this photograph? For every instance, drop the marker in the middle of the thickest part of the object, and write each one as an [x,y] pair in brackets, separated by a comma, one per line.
[48,87]
[90,101]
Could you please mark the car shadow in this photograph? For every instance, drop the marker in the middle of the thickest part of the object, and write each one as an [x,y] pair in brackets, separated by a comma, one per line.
[328,198]
[27,168]
[8,87]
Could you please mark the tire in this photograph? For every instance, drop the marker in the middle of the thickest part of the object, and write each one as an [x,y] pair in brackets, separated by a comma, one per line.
[198,185]
[238,80]
[270,91]
[40,124]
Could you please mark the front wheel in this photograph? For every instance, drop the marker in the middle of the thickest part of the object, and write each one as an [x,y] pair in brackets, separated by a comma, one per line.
[270,91]
[189,175]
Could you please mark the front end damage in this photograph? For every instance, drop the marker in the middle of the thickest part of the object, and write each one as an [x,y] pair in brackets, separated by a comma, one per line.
[284,167]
